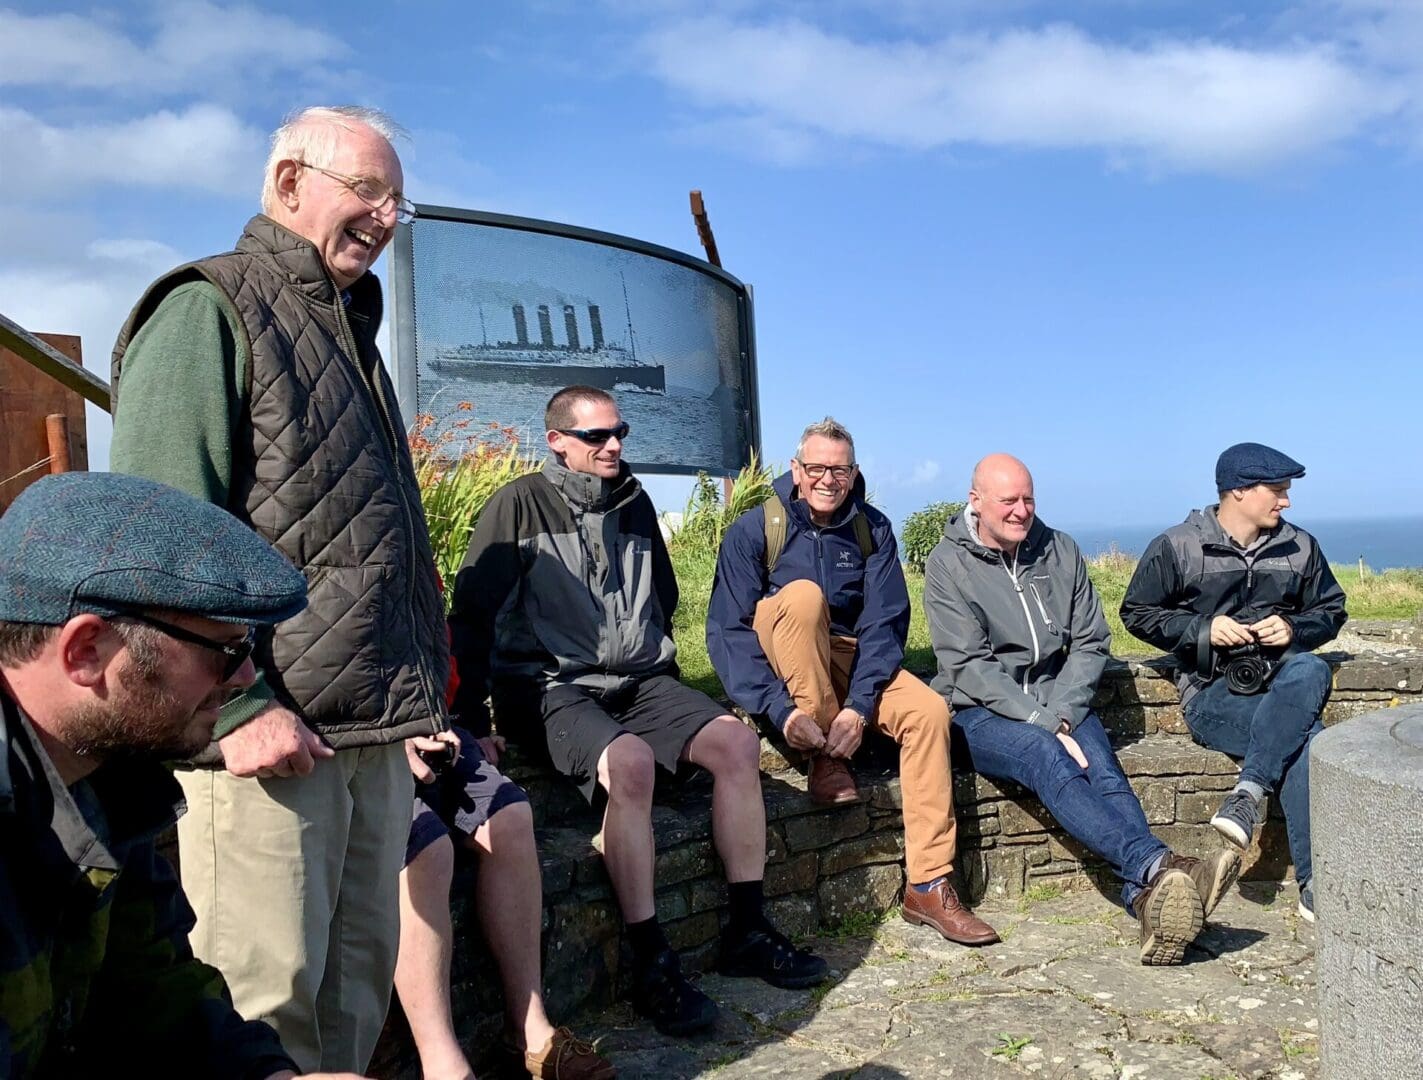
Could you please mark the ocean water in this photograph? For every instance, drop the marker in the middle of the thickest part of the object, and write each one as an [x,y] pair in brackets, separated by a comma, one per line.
[1383,543]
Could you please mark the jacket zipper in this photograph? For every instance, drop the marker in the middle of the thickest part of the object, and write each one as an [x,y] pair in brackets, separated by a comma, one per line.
[1037,598]
[1028,615]
[383,413]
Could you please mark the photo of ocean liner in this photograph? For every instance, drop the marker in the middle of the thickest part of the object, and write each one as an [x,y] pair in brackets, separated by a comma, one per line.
[604,364]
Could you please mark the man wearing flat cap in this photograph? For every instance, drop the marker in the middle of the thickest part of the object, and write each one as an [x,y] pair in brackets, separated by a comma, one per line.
[1240,596]
[127,611]
[253,379]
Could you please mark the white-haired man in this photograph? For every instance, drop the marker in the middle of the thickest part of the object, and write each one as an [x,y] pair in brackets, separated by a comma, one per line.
[252,379]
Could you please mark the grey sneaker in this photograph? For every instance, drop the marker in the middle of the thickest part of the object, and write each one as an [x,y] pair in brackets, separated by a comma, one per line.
[1306,902]
[1236,819]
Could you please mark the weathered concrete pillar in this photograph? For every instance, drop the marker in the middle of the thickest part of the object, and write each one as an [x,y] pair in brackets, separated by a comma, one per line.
[1366,809]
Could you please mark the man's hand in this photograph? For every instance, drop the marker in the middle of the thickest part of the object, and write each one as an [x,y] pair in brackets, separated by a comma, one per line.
[1226,632]
[275,742]
[1273,631]
[802,732]
[1069,744]
[422,772]
[492,746]
[846,731]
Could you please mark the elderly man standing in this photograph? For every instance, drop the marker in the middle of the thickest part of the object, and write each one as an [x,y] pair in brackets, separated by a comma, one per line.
[807,625]
[563,608]
[252,379]
[1021,642]
[113,655]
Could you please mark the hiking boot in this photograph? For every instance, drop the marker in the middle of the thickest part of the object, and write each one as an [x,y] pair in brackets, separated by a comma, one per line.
[1171,916]
[766,953]
[563,1057]
[662,994]
[1213,876]
[1236,819]
[830,782]
[939,906]
[1305,907]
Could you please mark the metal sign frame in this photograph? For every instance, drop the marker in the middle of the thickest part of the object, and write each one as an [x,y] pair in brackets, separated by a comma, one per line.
[402,288]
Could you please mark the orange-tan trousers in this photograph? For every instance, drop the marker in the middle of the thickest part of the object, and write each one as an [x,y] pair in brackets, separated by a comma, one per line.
[794,629]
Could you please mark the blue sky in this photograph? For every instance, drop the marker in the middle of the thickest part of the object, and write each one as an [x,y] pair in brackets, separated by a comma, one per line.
[1110,236]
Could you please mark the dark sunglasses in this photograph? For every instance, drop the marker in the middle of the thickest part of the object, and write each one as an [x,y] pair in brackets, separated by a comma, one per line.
[597,436]
[235,653]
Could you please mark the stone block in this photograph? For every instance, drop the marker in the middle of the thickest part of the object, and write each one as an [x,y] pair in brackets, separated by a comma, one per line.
[872,889]
[706,894]
[997,873]
[1196,807]
[692,931]
[1345,706]
[1170,719]
[581,955]
[796,874]
[1149,689]
[1172,756]
[1017,818]
[672,904]
[1037,855]
[1158,800]
[1380,673]
[775,844]
[1366,795]
[977,827]
[796,915]
[878,847]
[672,827]
[825,827]
[888,795]
[1127,722]
[684,863]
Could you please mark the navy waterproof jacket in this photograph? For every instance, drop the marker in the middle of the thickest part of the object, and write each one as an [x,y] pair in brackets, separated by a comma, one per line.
[867,597]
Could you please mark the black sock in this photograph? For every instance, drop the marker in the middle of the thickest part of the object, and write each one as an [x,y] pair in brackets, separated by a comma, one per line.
[745,898]
[646,939]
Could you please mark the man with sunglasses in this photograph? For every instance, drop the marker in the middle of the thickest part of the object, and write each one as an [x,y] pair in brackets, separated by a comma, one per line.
[563,610]
[113,655]
[812,636]
[252,379]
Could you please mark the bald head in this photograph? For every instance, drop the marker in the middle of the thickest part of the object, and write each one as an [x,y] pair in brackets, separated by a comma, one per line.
[1001,497]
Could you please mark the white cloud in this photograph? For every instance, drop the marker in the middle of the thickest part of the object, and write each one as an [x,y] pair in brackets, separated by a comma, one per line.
[194,43]
[202,147]
[1183,104]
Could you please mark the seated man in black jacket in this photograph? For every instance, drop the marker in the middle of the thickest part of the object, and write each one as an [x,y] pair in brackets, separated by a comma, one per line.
[127,611]
[1235,581]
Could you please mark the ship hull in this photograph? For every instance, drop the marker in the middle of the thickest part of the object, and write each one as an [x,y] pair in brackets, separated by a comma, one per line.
[648,377]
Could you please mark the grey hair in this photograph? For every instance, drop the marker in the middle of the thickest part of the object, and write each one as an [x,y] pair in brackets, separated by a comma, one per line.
[829,428]
[311,135]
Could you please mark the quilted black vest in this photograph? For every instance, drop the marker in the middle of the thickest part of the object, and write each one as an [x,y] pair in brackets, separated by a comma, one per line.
[322,470]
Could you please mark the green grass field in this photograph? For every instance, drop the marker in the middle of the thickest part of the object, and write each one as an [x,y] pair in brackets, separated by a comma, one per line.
[1393,594]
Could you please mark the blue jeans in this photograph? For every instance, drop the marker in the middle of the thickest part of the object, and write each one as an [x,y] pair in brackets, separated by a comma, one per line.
[1096,805]
[1271,732]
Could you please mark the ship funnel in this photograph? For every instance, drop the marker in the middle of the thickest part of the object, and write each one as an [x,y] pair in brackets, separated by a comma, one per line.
[596,318]
[545,327]
[570,324]
[521,326]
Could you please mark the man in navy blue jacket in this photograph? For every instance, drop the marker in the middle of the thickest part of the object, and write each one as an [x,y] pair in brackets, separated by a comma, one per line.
[808,619]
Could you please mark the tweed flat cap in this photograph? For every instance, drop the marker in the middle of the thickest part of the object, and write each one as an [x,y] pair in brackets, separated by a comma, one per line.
[107,542]
[1249,463]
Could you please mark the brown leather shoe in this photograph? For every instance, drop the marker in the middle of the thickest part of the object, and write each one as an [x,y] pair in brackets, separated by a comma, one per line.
[830,781]
[1171,916]
[1213,875]
[940,908]
[567,1057]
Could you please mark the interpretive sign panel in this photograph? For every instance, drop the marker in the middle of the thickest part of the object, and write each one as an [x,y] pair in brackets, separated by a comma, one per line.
[492,314]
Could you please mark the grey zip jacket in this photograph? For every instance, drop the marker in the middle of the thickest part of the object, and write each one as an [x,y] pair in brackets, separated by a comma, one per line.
[566,581]
[1022,636]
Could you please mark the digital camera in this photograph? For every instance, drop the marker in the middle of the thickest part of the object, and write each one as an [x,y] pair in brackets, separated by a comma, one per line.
[1248,669]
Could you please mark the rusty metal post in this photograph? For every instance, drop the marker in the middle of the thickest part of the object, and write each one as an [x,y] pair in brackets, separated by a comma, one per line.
[56,430]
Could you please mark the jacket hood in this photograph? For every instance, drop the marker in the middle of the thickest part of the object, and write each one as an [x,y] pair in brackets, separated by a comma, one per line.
[784,486]
[1209,528]
[588,492]
[962,529]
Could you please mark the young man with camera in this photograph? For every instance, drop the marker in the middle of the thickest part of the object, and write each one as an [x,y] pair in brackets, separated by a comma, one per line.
[1240,596]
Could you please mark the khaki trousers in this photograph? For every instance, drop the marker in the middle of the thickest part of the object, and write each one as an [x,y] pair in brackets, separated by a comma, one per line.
[295,881]
[794,629]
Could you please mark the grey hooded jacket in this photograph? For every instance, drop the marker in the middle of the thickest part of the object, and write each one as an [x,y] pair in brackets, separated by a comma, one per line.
[1023,637]
[566,581]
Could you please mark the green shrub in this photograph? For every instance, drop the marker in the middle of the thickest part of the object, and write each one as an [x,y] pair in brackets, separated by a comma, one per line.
[706,518]
[922,530]
[458,471]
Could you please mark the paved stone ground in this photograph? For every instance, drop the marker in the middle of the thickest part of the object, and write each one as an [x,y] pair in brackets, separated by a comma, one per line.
[1062,996]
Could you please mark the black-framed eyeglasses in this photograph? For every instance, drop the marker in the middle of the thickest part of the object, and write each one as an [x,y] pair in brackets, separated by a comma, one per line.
[815,470]
[235,653]
[370,191]
[597,436]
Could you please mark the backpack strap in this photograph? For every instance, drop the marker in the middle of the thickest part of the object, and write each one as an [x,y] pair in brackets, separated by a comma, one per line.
[864,536]
[775,512]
